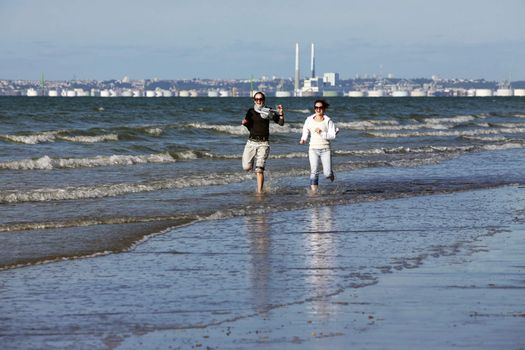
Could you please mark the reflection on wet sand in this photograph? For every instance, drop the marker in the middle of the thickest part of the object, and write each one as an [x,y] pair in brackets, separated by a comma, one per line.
[317,265]
[320,246]
[259,247]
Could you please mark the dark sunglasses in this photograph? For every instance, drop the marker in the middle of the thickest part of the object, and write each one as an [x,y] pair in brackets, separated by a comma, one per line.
[258,99]
[318,107]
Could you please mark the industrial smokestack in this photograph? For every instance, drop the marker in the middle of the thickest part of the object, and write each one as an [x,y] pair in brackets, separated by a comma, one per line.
[296,83]
[312,61]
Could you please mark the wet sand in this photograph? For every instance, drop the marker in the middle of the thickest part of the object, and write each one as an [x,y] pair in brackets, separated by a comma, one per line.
[433,272]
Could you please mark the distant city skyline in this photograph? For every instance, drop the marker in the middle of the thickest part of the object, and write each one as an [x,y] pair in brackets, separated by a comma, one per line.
[239,39]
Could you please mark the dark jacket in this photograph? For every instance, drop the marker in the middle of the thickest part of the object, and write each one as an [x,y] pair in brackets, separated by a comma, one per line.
[259,127]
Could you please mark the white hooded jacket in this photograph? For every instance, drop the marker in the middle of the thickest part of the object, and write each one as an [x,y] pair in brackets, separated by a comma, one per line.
[319,140]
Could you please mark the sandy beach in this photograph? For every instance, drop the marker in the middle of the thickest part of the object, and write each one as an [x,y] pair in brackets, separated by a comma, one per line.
[435,272]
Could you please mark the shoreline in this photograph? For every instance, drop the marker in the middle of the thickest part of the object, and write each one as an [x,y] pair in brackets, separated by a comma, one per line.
[93,240]
[441,275]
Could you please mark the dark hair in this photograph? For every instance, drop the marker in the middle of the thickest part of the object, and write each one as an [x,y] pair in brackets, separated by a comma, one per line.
[260,93]
[323,102]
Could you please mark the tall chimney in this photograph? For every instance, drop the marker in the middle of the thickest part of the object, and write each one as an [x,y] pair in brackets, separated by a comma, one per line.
[312,62]
[296,83]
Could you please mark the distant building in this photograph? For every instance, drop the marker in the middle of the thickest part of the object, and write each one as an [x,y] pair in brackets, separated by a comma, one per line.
[31,92]
[312,87]
[331,79]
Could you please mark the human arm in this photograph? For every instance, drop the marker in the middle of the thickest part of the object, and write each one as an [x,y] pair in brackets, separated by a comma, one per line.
[306,133]
[247,121]
[278,117]
[331,132]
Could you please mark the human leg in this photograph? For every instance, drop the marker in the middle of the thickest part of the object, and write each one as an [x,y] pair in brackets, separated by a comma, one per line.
[248,156]
[262,152]
[313,156]
[326,160]
[260,180]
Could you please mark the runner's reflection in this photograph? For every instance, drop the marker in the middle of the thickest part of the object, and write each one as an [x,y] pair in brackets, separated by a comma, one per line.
[260,244]
[321,252]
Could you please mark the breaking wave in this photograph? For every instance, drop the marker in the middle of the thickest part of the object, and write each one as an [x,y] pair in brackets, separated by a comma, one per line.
[48,163]
[52,136]
[111,190]
[456,133]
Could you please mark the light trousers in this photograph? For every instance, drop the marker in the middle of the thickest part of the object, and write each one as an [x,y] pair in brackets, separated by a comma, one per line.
[255,152]
[317,158]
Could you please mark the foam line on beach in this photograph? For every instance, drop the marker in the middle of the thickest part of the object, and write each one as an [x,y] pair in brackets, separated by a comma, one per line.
[363,126]
[240,130]
[111,190]
[46,225]
[334,196]
[116,133]
[456,133]
[32,139]
[48,163]
[91,135]
[119,189]
[53,260]
[159,224]
[394,125]
[53,136]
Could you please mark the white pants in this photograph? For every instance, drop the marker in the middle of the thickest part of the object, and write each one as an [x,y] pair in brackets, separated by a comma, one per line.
[316,156]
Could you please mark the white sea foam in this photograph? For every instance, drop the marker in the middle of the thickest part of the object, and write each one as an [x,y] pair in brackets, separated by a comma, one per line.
[48,163]
[366,125]
[286,128]
[190,154]
[289,155]
[456,133]
[46,136]
[303,111]
[154,131]
[90,139]
[483,125]
[508,125]
[229,129]
[241,130]
[45,225]
[486,138]
[111,190]
[403,150]
[456,120]
[52,136]
[510,145]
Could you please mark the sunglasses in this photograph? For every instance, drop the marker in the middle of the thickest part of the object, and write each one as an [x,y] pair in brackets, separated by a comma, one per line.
[318,107]
[258,99]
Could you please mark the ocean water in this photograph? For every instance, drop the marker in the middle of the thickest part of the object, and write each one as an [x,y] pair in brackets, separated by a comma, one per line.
[89,176]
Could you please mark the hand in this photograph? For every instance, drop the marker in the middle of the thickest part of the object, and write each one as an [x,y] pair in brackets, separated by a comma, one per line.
[280,111]
[301,142]
[244,121]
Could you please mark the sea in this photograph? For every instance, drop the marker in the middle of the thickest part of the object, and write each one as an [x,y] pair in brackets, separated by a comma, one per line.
[85,177]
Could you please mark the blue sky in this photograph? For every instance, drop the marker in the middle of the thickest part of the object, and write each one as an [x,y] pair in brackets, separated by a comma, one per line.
[235,39]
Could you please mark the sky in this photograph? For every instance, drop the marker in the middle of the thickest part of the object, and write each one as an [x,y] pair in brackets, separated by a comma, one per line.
[243,39]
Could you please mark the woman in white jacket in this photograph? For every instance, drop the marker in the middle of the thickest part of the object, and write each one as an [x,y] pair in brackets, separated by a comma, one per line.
[321,130]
